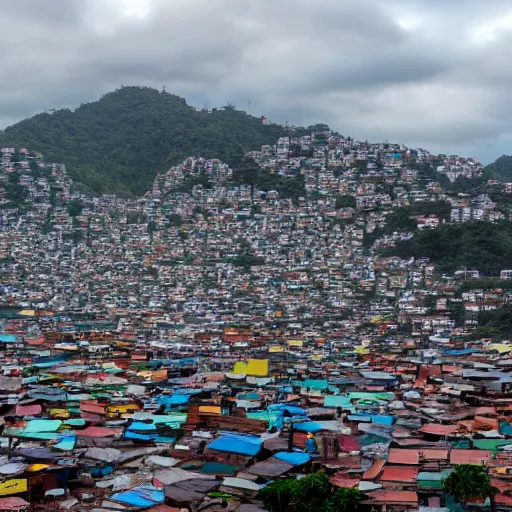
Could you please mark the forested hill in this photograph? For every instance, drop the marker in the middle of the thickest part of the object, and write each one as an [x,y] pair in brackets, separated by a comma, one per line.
[119,143]
[500,169]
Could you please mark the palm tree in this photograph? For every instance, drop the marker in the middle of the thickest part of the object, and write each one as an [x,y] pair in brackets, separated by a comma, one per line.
[468,483]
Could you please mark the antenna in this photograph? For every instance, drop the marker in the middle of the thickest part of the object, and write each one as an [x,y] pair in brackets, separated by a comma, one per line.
[249,106]
[163,89]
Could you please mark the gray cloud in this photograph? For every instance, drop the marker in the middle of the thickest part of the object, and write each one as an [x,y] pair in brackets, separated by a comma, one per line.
[433,73]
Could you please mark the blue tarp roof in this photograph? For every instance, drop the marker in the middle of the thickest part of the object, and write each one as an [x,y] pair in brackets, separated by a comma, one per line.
[377,375]
[505,428]
[382,419]
[140,426]
[7,338]
[379,419]
[66,444]
[42,426]
[292,409]
[157,438]
[337,401]
[307,426]
[233,443]
[294,458]
[143,496]
[169,400]
[318,384]
[462,352]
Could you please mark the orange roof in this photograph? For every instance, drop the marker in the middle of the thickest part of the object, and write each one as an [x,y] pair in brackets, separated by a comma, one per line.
[462,456]
[399,474]
[435,454]
[411,456]
[438,430]
[482,423]
[375,470]
[383,497]
[400,456]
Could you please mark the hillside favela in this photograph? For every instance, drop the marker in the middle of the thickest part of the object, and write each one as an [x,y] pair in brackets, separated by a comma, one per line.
[305,322]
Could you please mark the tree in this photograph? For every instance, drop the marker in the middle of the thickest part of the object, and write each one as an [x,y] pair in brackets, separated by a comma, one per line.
[152,227]
[495,324]
[278,496]
[119,143]
[344,500]
[468,483]
[175,220]
[313,492]
[457,312]
[483,246]
[75,208]
[192,180]
[245,258]
[315,195]
[246,172]
[345,201]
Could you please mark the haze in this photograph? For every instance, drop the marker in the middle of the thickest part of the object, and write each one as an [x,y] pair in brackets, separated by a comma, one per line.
[429,73]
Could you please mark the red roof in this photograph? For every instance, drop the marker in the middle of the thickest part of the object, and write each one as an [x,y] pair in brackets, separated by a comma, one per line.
[13,503]
[501,499]
[99,432]
[348,443]
[341,480]
[28,410]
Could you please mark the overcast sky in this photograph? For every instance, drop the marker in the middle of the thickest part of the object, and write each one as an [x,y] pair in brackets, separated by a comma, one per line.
[429,73]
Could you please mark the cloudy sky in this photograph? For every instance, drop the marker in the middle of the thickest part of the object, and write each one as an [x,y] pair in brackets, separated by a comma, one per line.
[430,73]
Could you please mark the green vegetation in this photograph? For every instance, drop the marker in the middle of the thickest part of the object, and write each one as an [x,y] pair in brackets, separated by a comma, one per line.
[500,169]
[481,246]
[17,194]
[245,172]
[489,283]
[495,324]
[345,202]
[190,181]
[403,219]
[248,172]
[457,312]
[119,143]
[175,220]
[312,492]
[289,187]
[245,258]
[47,224]
[468,483]
[136,218]
[75,208]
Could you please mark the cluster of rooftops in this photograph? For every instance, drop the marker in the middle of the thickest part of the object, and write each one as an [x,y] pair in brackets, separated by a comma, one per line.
[188,348]
[96,419]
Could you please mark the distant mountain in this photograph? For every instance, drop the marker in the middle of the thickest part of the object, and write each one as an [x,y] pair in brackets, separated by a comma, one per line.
[119,143]
[501,169]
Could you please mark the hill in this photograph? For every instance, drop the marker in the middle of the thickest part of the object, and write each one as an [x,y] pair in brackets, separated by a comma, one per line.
[119,143]
[480,246]
[500,169]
